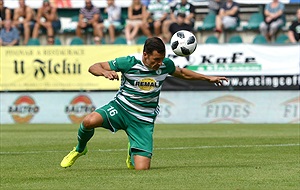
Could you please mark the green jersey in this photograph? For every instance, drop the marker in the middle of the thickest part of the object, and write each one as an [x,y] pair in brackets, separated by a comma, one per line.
[140,86]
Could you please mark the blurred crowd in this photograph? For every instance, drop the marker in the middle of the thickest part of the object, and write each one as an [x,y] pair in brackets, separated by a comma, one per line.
[149,18]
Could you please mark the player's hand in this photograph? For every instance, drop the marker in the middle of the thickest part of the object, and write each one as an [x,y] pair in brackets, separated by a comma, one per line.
[218,80]
[111,75]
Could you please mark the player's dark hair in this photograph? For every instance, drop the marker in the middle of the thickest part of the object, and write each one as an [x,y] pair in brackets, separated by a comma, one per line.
[154,43]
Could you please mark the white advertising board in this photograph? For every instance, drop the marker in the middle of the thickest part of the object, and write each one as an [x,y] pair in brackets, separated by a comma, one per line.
[176,107]
[241,59]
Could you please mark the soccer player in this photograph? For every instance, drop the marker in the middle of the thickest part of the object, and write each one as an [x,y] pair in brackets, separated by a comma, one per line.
[135,105]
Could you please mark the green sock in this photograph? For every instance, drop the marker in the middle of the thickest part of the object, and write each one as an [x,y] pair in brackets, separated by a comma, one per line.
[84,135]
[131,155]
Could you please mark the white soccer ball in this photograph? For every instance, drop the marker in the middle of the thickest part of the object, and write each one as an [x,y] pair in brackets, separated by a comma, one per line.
[183,43]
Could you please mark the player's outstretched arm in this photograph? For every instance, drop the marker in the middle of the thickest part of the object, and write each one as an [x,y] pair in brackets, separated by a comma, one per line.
[103,69]
[184,73]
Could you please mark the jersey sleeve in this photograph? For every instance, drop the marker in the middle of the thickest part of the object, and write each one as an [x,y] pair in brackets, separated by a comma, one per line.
[170,65]
[121,64]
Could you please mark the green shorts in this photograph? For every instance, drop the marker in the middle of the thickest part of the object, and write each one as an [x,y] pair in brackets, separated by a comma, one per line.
[140,133]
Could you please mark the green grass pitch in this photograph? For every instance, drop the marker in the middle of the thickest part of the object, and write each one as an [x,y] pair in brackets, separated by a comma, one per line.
[211,156]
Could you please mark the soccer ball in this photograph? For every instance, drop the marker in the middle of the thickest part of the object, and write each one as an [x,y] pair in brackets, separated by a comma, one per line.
[183,43]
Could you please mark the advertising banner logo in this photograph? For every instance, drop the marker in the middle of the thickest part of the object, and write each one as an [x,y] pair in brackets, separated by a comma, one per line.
[23,109]
[79,107]
[291,110]
[227,109]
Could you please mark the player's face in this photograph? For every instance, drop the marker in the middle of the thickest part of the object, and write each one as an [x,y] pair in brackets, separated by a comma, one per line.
[153,61]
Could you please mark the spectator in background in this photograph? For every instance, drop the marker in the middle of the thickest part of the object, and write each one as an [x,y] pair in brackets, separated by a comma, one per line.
[294,29]
[89,17]
[273,19]
[61,3]
[137,14]
[5,13]
[9,34]
[47,18]
[24,19]
[158,13]
[180,24]
[113,20]
[228,16]
[215,5]
[50,40]
[183,8]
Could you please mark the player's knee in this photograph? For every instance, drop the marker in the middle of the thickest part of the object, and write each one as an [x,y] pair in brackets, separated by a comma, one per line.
[141,162]
[142,167]
[92,120]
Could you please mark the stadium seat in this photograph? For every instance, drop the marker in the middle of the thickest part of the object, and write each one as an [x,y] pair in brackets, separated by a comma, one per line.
[33,42]
[212,40]
[282,39]
[76,41]
[120,40]
[75,18]
[236,39]
[71,28]
[209,22]
[259,39]
[254,21]
[141,39]
[57,41]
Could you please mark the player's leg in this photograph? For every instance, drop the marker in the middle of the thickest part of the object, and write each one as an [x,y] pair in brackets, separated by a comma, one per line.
[109,117]
[140,135]
[135,156]
[87,128]
[141,162]
[85,133]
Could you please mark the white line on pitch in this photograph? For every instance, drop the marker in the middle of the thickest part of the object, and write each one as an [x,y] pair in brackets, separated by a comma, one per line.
[167,148]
